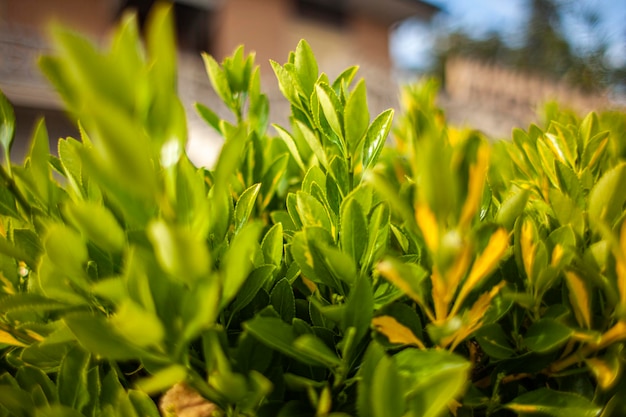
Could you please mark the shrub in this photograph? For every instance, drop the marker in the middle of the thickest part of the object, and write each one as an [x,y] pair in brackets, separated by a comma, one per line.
[318,272]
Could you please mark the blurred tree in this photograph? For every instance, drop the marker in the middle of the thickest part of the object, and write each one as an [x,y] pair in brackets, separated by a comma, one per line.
[545,49]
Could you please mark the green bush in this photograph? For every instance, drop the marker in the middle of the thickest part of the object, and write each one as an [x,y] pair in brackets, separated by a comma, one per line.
[319,272]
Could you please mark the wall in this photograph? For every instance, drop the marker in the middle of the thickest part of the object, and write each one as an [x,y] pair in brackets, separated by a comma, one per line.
[495,98]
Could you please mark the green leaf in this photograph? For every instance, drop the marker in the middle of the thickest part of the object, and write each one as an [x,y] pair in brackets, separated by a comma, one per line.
[237,261]
[356,117]
[606,198]
[372,357]
[332,109]
[313,347]
[8,204]
[272,245]
[553,403]
[375,138]
[209,116]
[359,308]
[433,378]
[547,335]
[30,377]
[378,236]
[313,142]
[72,379]
[182,254]
[7,127]
[272,177]
[387,390]
[16,401]
[66,249]
[306,67]
[139,326]
[291,145]
[286,83]
[218,78]
[569,182]
[244,206]
[99,337]
[512,207]
[275,333]
[97,224]
[68,150]
[314,252]
[345,78]
[143,404]
[162,380]
[283,300]
[353,232]
[312,213]
[39,167]
[29,301]
[256,280]
[494,342]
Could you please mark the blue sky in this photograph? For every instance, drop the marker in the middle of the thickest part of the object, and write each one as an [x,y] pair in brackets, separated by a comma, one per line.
[508,17]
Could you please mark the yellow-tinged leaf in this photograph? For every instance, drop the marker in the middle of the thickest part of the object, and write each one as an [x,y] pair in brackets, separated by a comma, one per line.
[598,152]
[579,297]
[309,284]
[35,336]
[529,247]
[396,332]
[441,298]
[427,222]
[615,334]
[7,286]
[484,264]
[553,144]
[458,270]
[476,182]
[523,408]
[391,274]
[473,319]
[8,339]
[621,265]
[605,374]
[557,255]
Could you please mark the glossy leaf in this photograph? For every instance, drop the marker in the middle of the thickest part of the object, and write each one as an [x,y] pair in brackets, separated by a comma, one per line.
[218,78]
[375,138]
[547,335]
[306,66]
[245,205]
[494,341]
[7,125]
[283,300]
[553,403]
[356,117]
[278,335]
[606,199]
[353,234]
[333,111]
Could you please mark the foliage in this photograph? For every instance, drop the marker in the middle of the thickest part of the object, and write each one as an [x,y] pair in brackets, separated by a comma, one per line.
[544,48]
[318,272]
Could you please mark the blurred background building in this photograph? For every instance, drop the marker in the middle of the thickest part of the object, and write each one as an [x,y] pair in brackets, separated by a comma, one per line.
[341,32]
[491,81]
